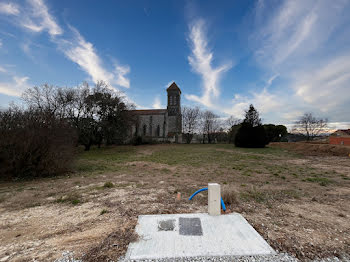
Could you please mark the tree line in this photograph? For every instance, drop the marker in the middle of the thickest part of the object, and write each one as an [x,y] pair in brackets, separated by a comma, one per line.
[207,127]
[40,139]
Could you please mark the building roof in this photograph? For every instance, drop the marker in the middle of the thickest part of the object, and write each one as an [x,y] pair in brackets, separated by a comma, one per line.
[346,131]
[173,86]
[149,111]
[343,131]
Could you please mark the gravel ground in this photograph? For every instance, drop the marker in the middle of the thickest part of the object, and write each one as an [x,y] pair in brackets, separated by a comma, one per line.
[282,257]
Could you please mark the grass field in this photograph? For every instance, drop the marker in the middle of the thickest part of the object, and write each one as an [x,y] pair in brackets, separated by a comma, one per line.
[299,204]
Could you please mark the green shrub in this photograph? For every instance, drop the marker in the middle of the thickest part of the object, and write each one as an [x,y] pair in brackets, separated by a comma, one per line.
[108,185]
[250,136]
[103,211]
[136,141]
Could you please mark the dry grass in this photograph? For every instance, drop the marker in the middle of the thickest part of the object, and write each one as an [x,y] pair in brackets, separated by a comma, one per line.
[229,196]
[114,245]
[291,200]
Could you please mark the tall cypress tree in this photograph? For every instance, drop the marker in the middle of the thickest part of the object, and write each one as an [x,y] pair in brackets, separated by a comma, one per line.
[252,117]
[251,133]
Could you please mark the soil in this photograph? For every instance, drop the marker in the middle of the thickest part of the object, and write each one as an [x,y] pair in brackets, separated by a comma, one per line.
[314,148]
[41,219]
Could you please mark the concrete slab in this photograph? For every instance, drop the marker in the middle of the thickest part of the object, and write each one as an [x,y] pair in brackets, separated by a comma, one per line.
[225,235]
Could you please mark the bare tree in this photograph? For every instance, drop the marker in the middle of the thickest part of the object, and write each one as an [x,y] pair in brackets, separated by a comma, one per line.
[232,121]
[97,114]
[310,125]
[210,125]
[190,121]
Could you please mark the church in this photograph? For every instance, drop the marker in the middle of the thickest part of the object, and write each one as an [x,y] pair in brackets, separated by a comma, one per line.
[161,125]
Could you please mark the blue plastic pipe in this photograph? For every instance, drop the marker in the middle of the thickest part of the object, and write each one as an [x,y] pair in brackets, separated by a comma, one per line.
[198,191]
[204,189]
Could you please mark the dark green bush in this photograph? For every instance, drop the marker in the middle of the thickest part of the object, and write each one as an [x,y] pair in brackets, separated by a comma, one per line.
[136,141]
[250,136]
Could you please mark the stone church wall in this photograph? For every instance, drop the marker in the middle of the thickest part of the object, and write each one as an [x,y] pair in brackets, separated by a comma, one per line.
[152,122]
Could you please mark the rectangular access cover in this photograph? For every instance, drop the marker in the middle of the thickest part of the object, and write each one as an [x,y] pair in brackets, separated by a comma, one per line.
[190,226]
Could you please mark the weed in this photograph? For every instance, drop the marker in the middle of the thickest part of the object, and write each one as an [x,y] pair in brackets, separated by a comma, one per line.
[255,195]
[103,211]
[108,185]
[165,170]
[323,181]
[73,199]
[229,196]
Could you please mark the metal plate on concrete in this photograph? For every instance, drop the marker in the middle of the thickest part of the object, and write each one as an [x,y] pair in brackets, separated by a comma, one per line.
[166,225]
[190,226]
[224,235]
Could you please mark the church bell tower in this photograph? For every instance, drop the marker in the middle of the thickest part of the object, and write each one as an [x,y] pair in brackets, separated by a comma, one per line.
[174,108]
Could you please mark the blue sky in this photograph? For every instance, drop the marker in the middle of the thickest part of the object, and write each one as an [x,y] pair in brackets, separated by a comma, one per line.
[285,57]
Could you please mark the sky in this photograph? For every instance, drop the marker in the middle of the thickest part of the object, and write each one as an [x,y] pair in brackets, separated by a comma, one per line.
[284,57]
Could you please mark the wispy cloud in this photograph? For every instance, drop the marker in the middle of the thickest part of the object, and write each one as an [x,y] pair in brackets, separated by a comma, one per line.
[15,86]
[271,79]
[39,19]
[0,43]
[36,17]
[326,86]
[2,70]
[84,54]
[121,79]
[157,103]
[264,101]
[294,29]
[301,43]
[9,9]
[201,61]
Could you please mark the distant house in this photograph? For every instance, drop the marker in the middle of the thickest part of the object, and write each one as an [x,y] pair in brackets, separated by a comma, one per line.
[340,137]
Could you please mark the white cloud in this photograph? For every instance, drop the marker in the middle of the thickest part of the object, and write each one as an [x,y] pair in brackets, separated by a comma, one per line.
[9,8]
[303,44]
[0,43]
[264,102]
[201,62]
[39,19]
[271,79]
[85,55]
[15,87]
[2,70]
[294,29]
[169,83]
[121,80]
[326,86]
[157,104]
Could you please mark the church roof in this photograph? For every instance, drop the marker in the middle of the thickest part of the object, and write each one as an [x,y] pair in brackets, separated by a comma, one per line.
[149,111]
[173,86]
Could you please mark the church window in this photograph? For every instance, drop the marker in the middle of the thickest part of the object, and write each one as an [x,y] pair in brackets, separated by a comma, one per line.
[174,102]
[171,100]
[144,129]
[158,130]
